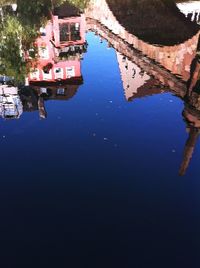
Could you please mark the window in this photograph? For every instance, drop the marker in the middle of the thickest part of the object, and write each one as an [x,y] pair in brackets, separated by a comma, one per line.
[60,91]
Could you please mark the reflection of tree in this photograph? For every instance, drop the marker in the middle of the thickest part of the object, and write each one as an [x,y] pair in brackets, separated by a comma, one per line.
[6,2]
[79,3]
[19,32]
[11,60]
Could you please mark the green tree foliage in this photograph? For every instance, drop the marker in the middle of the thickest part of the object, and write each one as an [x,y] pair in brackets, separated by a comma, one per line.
[19,33]
[79,3]
[11,60]
[6,2]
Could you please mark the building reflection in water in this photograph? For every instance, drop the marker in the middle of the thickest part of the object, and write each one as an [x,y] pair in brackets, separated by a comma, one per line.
[33,98]
[140,76]
[136,82]
[191,113]
[137,26]
[56,74]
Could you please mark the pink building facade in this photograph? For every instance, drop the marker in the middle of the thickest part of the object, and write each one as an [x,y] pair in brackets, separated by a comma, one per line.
[60,48]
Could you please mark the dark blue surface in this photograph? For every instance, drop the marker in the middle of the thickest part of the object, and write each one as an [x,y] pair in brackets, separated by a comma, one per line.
[97,184]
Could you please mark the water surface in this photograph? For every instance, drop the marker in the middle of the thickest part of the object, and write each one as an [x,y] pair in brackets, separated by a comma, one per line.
[90,167]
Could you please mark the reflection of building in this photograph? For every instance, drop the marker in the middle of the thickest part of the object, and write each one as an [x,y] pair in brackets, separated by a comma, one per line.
[154,36]
[191,113]
[57,72]
[60,48]
[10,103]
[34,98]
[136,82]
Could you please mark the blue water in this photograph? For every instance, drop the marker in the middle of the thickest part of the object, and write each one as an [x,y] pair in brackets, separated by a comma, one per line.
[96,184]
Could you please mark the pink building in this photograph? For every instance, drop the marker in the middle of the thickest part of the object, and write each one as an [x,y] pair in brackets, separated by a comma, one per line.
[60,48]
